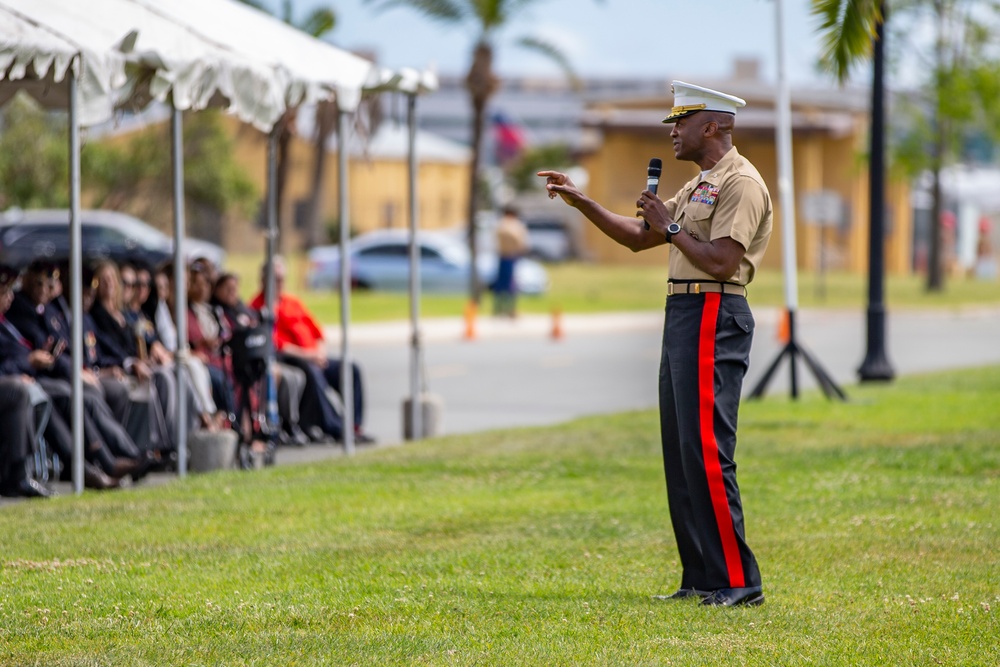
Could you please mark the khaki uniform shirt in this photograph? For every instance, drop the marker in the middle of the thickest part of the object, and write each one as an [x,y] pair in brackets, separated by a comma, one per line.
[512,237]
[730,201]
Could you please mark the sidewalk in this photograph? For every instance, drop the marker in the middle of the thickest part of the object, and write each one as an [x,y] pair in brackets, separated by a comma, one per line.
[486,327]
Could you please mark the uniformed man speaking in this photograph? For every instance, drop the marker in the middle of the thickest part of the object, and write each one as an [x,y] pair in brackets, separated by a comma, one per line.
[718,226]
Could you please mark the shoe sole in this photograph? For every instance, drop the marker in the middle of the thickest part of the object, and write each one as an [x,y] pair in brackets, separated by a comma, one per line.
[746,602]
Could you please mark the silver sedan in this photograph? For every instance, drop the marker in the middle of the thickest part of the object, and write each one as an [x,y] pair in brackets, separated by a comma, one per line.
[380,260]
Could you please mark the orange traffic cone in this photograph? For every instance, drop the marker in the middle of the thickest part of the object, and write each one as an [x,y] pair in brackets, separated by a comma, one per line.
[470,321]
[783,330]
[557,331]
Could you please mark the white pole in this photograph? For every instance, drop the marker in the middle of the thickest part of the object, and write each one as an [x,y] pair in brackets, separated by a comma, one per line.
[269,316]
[76,279]
[346,369]
[416,411]
[783,130]
[180,286]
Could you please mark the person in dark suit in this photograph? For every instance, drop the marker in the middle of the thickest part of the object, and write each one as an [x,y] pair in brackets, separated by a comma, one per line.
[117,339]
[112,379]
[19,360]
[17,447]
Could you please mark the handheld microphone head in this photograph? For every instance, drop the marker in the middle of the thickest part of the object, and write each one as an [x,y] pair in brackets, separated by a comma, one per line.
[653,174]
[653,179]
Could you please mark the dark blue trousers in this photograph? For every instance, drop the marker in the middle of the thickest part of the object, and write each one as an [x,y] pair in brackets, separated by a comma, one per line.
[705,356]
[316,408]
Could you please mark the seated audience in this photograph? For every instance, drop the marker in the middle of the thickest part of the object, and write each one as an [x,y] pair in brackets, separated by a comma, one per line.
[18,359]
[117,340]
[40,323]
[206,335]
[290,381]
[299,342]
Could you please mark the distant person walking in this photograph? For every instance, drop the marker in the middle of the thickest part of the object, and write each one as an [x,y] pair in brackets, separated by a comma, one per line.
[512,244]
[717,226]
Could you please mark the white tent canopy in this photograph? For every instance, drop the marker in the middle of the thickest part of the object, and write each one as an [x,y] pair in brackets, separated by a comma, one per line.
[315,69]
[37,60]
[164,59]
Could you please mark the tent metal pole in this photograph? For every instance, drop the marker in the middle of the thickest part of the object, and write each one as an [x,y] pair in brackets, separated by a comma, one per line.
[180,287]
[268,315]
[76,279]
[346,367]
[416,409]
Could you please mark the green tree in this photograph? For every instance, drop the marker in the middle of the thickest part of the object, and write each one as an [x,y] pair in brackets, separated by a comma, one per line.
[136,174]
[487,18]
[962,81]
[34,157]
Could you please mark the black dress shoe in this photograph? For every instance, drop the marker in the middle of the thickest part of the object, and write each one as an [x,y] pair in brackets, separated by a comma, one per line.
[297,437]
[145,465]
[27,488]
[735,597]
[95,478]
[684,594]
[362,438]
[318,435]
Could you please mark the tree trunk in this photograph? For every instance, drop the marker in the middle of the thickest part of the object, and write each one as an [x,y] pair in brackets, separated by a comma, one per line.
[935,268]
[326,123]
[284,162]
[935,260]
[481,84]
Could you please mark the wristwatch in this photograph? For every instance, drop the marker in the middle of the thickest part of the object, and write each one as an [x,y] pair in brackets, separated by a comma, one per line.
[672,228]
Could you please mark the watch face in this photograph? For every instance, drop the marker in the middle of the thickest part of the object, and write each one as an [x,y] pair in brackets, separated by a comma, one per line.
[673,228]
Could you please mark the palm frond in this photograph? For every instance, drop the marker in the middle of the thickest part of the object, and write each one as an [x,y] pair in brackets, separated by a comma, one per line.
[256,4]
[319,22]
[846,30]
[446,11]
[552,52]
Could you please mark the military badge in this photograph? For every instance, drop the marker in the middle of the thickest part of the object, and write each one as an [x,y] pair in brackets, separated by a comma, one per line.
[705,193]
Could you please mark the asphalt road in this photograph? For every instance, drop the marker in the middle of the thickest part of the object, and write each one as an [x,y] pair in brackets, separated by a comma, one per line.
[517,374]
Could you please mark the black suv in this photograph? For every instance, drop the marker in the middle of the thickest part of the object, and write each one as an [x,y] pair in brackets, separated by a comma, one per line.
[26,235]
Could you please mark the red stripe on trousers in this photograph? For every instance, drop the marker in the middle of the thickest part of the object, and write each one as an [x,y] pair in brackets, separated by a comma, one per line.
[709,446]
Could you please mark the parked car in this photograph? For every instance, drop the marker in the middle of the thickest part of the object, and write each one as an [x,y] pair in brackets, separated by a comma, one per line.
[26,235]
[549,239]
[380,260]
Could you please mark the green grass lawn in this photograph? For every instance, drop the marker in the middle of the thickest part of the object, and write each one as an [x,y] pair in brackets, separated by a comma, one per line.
[592,288]
[875,523]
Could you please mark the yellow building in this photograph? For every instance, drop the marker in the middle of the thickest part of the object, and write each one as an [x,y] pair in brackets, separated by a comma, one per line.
[830,137]
[378,183]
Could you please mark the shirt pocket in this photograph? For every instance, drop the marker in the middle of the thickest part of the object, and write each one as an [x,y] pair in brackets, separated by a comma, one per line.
[698,219]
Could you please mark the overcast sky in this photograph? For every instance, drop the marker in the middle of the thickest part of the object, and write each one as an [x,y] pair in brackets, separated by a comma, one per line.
[635,38]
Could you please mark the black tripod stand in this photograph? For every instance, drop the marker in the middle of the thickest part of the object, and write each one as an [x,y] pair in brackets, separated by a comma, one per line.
[791,350]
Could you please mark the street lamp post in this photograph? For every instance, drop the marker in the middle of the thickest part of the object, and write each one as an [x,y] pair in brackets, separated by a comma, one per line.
[876,365]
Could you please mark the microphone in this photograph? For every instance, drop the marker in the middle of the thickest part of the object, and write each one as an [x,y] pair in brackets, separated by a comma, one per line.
[653,179]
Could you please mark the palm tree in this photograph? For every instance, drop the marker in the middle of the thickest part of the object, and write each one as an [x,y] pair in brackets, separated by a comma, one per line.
[852,31]
[487,18]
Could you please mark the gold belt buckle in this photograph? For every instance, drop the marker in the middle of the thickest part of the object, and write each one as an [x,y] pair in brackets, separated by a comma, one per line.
[697,288]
